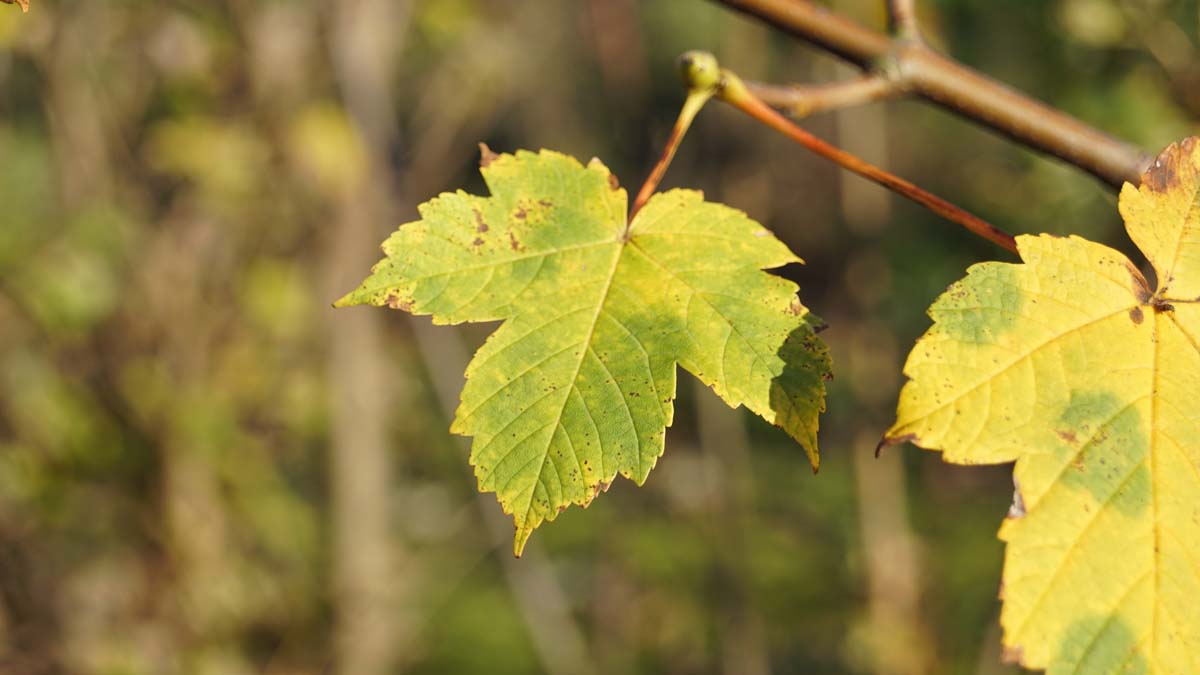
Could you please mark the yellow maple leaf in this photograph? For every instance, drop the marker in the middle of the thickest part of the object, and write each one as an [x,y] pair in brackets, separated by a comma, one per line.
[577,385]
[1078,369]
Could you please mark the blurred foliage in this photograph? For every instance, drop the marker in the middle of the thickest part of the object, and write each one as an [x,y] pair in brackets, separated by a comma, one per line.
[179,183]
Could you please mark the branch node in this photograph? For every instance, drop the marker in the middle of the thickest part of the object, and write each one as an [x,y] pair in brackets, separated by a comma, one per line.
[803,100]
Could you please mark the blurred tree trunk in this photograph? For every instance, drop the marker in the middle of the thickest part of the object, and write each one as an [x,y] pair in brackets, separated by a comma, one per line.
[366,37]
[891,639]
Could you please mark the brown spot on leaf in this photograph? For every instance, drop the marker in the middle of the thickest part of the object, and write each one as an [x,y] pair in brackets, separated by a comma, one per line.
[396,302]
[1165,172]
[1068,435]
[521,214]
[1077,461]
[613,183]
[563,508]
[545,202]
[602,486]
[1161,306]
[1135,315]
[486,156]
[513,243]
[478,241]
[795,309]
[481,226]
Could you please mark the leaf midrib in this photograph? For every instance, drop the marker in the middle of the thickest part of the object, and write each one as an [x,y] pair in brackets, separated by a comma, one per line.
[583,353]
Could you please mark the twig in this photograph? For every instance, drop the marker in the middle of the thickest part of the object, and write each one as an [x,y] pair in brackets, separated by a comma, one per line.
[948,84]
[733,91]
[902,17]
[804,100]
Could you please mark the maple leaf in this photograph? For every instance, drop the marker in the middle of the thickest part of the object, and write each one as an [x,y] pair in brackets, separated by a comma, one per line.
[1072,365]
[577,385]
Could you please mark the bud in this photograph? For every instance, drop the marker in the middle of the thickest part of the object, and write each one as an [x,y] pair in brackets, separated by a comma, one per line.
[700,70]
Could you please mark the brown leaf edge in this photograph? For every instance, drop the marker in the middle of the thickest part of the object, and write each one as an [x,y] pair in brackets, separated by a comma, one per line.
[23,3]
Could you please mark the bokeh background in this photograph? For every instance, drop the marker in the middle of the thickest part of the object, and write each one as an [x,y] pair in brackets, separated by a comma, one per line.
[205,469]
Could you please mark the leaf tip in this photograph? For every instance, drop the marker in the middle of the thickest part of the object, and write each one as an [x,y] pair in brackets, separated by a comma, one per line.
[888,441]
[520,539]
[486,156]
[1017,509]
[1170,166]
[1013,654]
[347,300]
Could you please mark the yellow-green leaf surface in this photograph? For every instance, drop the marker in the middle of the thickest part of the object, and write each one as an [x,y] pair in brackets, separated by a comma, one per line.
[576,386]
[1072,365]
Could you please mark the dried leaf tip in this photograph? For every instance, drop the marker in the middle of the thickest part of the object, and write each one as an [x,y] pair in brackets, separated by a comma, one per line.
[889,441]
[23,3]
[486,156]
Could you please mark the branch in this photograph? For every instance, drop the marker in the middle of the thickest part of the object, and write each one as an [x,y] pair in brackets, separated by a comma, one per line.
[946,83]
[902,17]
[804,100]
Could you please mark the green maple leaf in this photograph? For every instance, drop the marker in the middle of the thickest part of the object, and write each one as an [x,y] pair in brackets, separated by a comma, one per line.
[577,384]
[1074,366]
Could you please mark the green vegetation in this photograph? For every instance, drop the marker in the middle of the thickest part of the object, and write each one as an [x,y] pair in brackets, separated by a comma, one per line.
[204,468]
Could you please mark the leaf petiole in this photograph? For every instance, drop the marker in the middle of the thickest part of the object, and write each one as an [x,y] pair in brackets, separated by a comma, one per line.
[733,91]
[701,74]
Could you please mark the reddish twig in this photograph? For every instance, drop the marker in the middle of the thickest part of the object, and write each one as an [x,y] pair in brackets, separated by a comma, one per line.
[733,91]
[695,101]
[701,74]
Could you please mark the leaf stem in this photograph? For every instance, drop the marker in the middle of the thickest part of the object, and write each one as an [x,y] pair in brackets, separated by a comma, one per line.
[701,75]
[733,91]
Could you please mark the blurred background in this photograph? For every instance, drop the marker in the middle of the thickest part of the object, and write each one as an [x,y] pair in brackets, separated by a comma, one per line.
[205,469]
